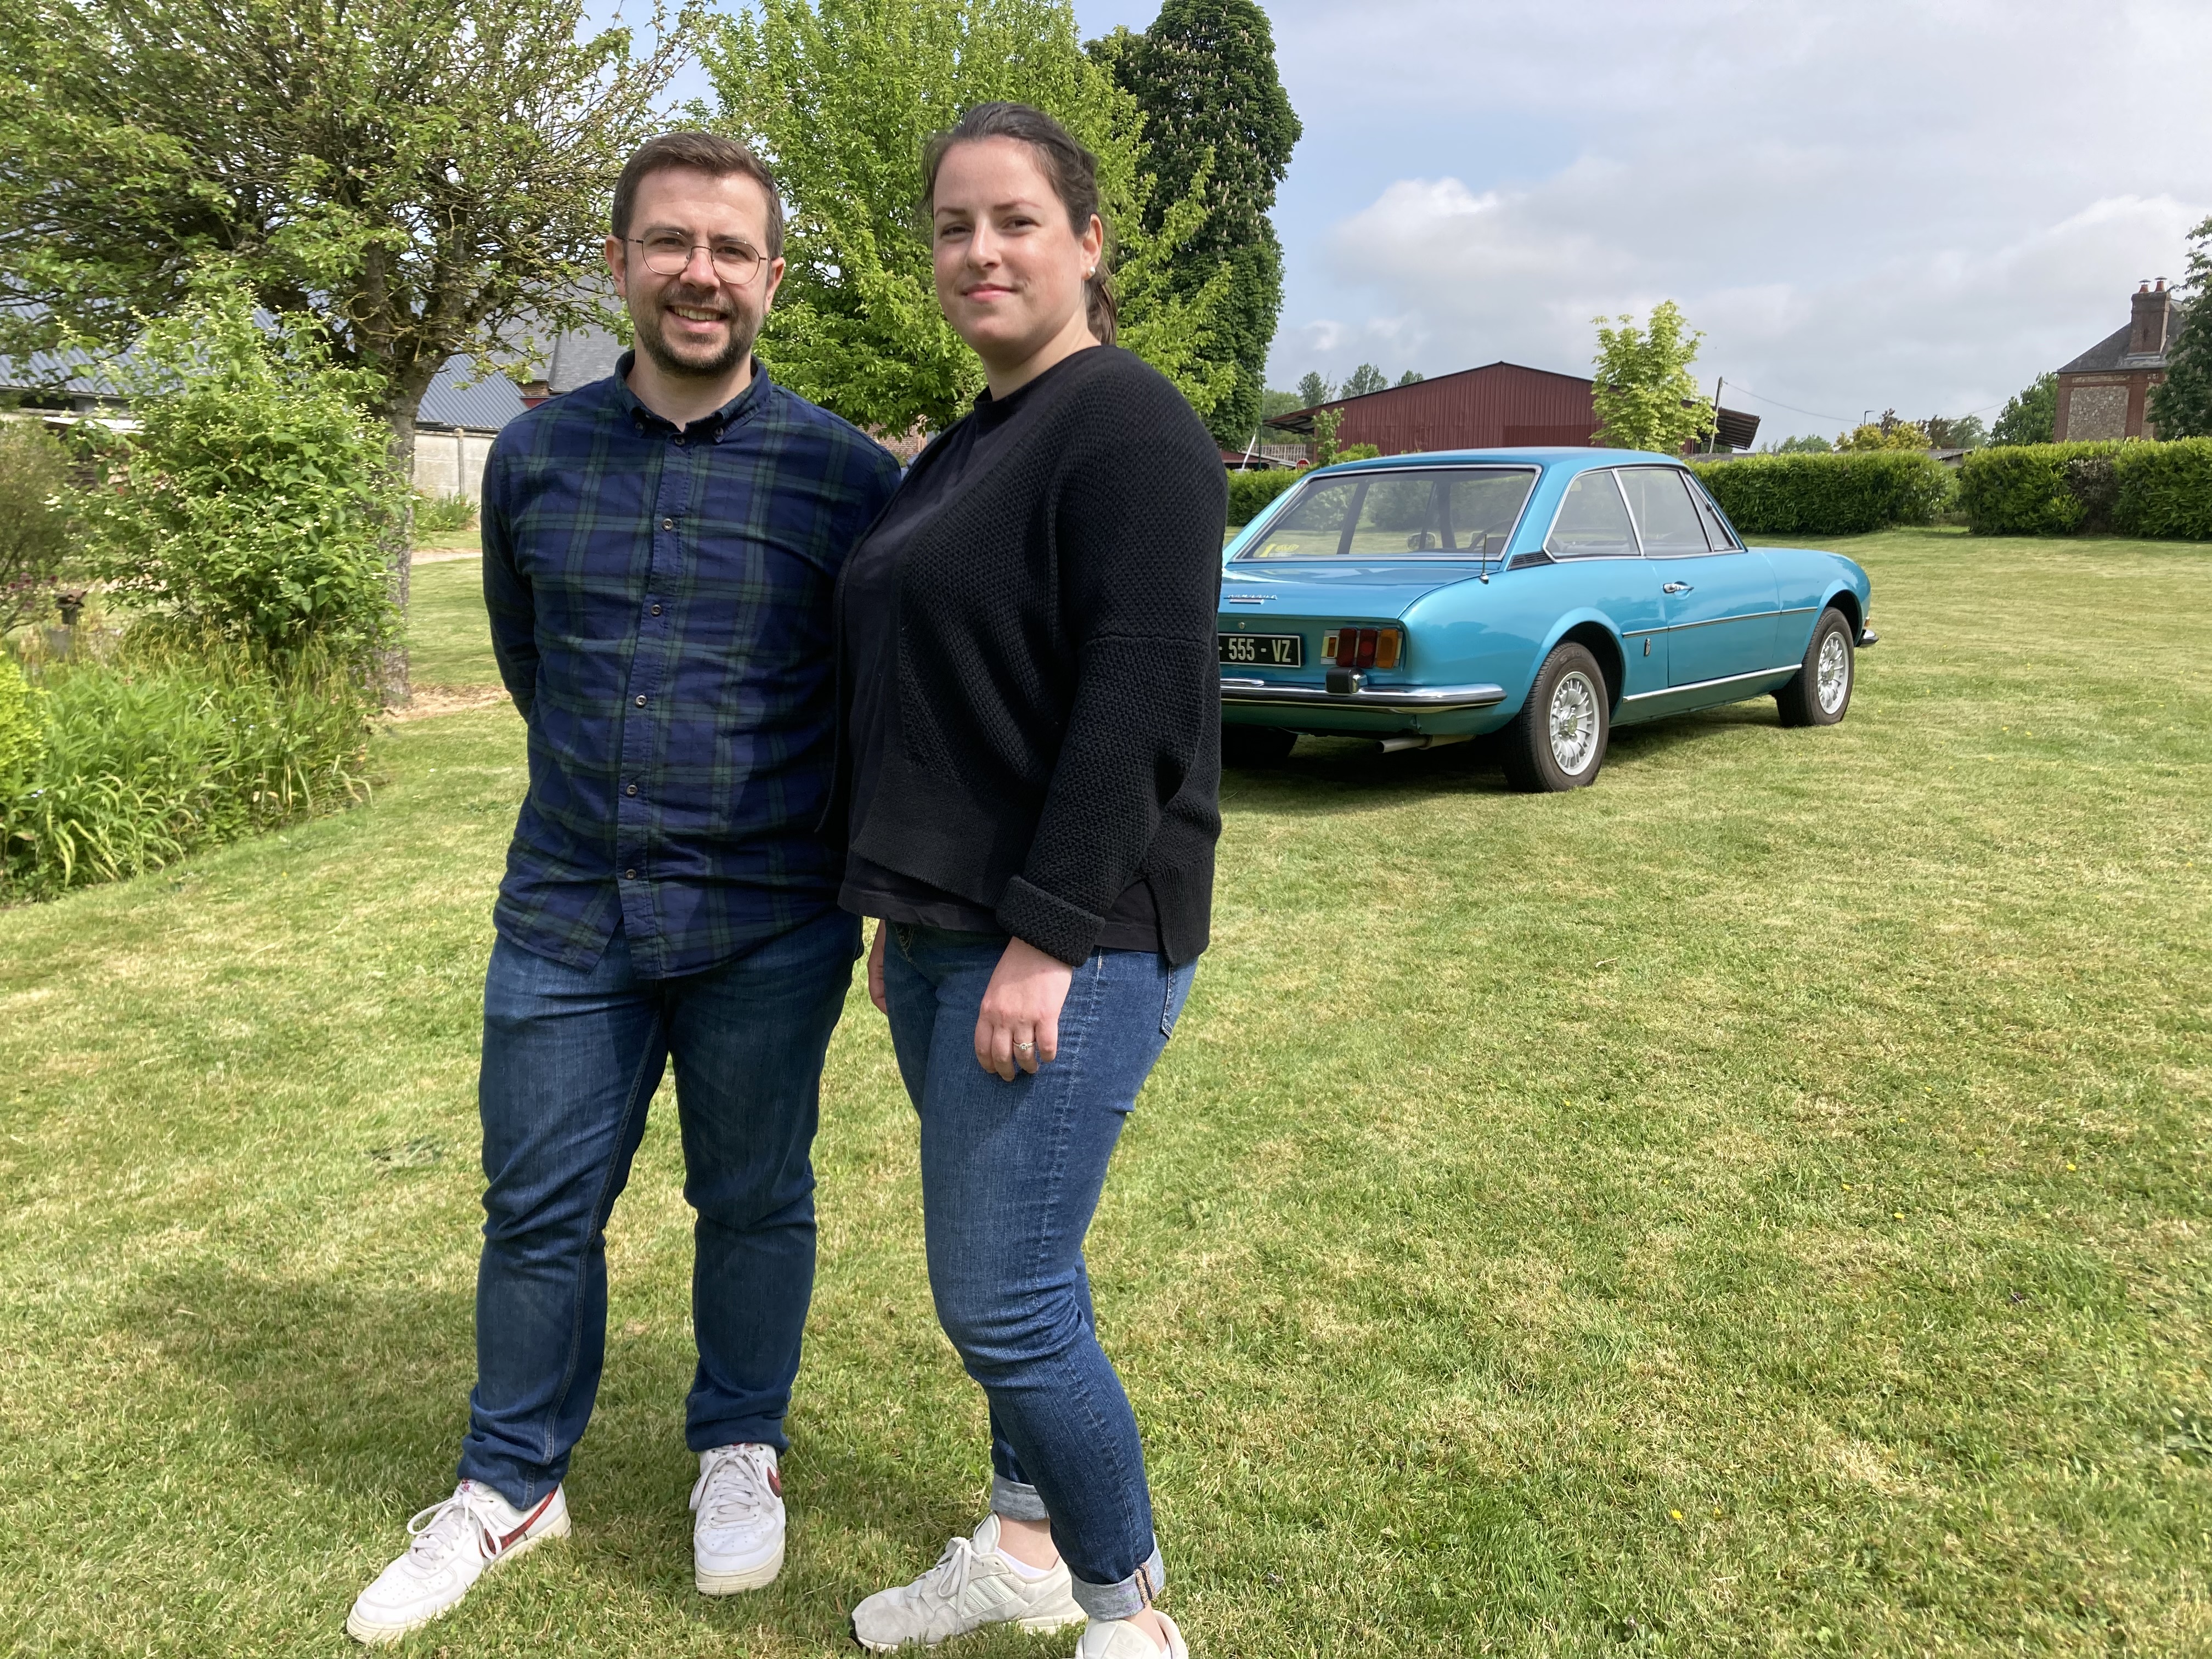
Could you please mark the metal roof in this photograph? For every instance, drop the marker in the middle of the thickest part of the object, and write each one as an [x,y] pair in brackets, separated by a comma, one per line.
[486,406]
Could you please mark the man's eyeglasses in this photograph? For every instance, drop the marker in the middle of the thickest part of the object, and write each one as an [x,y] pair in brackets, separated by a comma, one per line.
[667,254]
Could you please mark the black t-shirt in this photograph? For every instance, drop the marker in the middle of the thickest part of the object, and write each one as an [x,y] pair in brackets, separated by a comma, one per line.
[870,598]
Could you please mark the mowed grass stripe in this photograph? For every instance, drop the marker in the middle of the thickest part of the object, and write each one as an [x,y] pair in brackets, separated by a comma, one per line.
[1755,1206]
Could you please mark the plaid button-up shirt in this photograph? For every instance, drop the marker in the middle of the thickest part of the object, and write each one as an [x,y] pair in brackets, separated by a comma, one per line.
[660,608]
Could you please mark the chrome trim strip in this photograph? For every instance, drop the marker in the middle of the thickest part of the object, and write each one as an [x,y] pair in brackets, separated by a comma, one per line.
[1412,699]
[1725,679]
[1710,621]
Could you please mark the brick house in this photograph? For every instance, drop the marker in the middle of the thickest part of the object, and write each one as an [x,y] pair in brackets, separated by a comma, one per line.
[2103,392]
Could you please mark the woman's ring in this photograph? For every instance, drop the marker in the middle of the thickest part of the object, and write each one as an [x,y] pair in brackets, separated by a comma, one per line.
[1025,1045]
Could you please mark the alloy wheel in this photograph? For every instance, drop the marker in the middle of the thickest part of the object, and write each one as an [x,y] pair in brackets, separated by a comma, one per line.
[1574,722]
[1833,682]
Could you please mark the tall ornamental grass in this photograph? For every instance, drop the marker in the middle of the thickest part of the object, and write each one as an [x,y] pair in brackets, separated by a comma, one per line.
[134,763]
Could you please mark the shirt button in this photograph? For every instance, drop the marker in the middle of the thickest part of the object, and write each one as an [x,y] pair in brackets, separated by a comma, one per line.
[656,610]
[640,703]
[632,790]
[668,523]
[679,441]
[629,875]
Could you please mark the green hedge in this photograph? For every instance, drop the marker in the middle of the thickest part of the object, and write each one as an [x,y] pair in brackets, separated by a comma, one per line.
[1250,492]
[2165,489]
[1833,495]
[2127,487]
[2038,489]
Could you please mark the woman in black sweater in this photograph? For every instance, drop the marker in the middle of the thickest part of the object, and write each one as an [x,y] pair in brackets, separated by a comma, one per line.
[1031,766]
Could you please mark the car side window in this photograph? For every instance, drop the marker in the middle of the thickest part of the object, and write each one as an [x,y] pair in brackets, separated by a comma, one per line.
[1666,520]
[1716,528]
[1592,523]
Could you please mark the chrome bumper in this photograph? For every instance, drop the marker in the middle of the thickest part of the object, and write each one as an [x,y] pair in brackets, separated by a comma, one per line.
[1400,699]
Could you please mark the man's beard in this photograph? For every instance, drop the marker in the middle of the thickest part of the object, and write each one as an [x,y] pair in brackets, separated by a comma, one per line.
[743,328]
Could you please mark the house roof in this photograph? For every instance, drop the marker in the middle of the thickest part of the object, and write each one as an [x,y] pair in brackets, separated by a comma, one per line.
[2108,353]
[2111,354]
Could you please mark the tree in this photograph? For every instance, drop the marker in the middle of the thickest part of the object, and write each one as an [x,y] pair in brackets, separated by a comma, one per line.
[1313,390]
[2031,416]
[1204,75]
[1411,377]
[422,178]
[2181,405]
[840,95]
[1324,436]
[1888,433]
[1643,394]
[1955,431]
[1810,444]
[1364,379]
[1272,404]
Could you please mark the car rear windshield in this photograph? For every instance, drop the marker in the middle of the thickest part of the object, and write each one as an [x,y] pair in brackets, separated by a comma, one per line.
[1405,513]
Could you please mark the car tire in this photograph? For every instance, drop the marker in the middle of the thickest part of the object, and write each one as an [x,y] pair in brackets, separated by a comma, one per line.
[1558,740]
[1821,692]
[1256,745]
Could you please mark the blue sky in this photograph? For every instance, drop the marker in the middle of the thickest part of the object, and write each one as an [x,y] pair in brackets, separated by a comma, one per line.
[1863,203]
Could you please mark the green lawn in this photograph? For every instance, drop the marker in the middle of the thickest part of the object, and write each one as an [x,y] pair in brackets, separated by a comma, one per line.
[447,641]
[1756,1206]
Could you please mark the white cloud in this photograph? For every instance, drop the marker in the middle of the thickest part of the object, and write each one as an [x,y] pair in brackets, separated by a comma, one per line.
[1860,204]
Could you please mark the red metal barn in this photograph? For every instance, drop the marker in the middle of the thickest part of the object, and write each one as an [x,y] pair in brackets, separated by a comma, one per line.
[1498,405]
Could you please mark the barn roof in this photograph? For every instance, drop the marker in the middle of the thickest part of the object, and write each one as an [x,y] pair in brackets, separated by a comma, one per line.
[1301,420]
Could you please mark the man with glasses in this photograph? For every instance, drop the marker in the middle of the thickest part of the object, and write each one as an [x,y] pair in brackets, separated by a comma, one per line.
[660,549]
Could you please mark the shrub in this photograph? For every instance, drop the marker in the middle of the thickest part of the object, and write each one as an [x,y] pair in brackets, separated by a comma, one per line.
[1250,492]
[2165,488]
[257,498]
[33,526]
[437,514]
[1836,495]
[146,758]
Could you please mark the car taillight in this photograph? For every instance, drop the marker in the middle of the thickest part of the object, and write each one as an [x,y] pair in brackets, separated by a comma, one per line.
[1362,647]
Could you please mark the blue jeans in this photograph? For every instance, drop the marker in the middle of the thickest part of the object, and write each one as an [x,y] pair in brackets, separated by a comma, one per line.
[1011,1174]
[570,1062]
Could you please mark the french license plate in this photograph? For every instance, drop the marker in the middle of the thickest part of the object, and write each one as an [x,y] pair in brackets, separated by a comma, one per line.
[1263,650]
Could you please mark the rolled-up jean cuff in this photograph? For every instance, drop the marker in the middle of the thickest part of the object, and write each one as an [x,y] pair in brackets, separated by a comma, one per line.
[1132,1595]
[1016,1500]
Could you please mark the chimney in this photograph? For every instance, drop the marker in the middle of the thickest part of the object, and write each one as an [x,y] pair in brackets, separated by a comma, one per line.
[535,392]
[2147,333]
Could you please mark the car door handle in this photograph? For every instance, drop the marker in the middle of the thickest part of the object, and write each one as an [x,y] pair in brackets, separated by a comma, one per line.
[1675,587]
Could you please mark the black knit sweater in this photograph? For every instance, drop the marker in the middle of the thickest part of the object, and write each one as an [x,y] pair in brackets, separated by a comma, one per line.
[1059,714]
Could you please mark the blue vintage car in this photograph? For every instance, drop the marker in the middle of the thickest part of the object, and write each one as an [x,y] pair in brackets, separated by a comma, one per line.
[1545,595]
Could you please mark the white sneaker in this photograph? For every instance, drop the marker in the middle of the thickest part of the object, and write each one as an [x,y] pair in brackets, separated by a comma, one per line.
[973,1584]
[1117,1638]
[454,1544]
[737,1541]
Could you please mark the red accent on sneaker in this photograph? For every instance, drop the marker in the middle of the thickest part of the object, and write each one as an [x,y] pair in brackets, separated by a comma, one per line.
[776,1481]
[501,1546]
